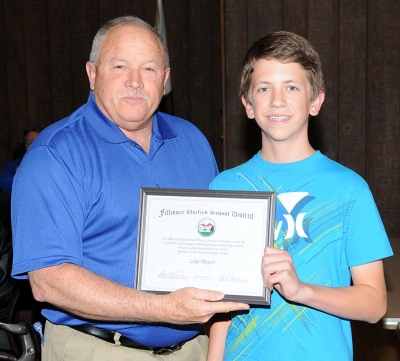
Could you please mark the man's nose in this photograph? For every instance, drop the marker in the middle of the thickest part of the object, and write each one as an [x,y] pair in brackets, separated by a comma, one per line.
[134,80]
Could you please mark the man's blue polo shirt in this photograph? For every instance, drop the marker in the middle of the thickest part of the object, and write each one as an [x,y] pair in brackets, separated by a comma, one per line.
[76,195]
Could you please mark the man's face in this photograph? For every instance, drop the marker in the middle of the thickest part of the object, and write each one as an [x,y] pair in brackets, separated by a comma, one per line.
[128,82]
[280,101]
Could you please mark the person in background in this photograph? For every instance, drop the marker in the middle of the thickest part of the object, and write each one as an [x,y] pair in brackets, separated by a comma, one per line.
[8,173]
[7,283]
[326,267]
[75,207]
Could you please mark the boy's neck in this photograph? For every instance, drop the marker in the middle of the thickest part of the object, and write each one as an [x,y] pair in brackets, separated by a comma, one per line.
[279,152]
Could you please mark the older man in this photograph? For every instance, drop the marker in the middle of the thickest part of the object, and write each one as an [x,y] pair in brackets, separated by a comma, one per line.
[75,210]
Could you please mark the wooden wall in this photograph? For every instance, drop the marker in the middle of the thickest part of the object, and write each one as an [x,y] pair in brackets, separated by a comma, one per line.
[44,46]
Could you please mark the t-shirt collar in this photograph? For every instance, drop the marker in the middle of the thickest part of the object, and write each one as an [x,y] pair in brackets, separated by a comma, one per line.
[288,167]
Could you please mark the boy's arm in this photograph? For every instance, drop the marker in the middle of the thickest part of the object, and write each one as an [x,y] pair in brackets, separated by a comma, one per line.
[218,332]
[366,300]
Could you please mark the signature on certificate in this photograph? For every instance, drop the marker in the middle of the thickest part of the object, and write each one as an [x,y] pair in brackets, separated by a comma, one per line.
[204,277]
[179,274]
[231,277]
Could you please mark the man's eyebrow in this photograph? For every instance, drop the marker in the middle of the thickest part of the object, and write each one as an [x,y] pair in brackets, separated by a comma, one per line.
[126,60]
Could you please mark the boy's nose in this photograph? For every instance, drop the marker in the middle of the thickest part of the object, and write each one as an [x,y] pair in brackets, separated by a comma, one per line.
[277,99]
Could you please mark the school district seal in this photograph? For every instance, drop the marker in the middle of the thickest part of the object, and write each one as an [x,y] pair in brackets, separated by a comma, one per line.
[206,227]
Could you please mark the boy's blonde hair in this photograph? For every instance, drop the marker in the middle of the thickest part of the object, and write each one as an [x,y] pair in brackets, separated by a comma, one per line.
[284,47]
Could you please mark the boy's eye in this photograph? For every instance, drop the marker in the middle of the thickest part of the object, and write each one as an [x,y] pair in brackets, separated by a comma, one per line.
[263,90]
[292,88]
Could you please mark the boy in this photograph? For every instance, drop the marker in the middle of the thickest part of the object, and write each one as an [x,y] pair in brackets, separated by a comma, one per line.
[327,231]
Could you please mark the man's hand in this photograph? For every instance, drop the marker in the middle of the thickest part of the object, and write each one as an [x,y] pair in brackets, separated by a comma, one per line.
[88,295]
[278,272]
[193,305]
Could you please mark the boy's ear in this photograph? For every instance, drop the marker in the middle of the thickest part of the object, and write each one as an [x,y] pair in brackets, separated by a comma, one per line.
[249,108]
[317,103]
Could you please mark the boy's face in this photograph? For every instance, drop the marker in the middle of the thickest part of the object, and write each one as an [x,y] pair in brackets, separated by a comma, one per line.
[280,101]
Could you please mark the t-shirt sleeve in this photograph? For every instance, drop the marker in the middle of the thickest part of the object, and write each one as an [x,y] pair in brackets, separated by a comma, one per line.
[366,237]
[47,213]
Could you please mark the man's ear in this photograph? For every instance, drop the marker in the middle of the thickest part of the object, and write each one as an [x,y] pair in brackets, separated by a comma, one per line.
[249,108]
[166,76]
[317,103]
[91,72]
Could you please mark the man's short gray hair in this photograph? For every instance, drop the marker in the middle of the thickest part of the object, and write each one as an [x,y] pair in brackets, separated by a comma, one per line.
[123,20]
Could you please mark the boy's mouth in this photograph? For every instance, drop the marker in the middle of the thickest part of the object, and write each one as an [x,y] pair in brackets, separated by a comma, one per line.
[279,119]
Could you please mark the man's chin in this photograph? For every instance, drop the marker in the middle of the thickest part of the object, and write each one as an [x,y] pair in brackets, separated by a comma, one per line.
[136,123]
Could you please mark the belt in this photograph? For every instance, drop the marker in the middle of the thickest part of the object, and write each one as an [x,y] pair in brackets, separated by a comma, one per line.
[108,336]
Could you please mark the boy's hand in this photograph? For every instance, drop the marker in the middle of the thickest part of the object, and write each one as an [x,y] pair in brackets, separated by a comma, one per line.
[278,272]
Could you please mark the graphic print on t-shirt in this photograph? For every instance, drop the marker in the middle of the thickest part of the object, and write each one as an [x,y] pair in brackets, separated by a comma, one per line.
[303,227]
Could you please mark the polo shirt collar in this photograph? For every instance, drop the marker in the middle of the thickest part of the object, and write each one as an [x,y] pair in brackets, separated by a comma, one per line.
[161,128]
[111,133]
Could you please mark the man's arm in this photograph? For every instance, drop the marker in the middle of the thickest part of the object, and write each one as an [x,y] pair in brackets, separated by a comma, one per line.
[85,294]
[366,300]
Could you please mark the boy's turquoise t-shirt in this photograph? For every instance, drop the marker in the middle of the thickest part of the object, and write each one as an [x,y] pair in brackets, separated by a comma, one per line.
[326,218]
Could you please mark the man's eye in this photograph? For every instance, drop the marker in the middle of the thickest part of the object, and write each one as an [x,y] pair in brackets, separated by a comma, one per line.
[119,66]
[149,69]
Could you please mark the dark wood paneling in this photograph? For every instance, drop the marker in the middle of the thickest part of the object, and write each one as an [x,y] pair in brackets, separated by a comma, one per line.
[16,67]
[178,37]
[150,12]
[383,110]
[107,10]
[200,63]
[352,84]
[295,16]
[204,58]
[83,26]
[37,61]
[323,35]
[127,7]
[236,45]
[264,17]
[141,8]
[5,139]
[371,342]
[60,57]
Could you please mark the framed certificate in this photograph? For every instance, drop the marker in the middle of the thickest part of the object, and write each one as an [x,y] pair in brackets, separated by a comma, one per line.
[206,239]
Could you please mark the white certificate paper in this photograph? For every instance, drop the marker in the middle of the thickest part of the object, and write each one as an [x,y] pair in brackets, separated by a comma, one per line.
[206,239]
